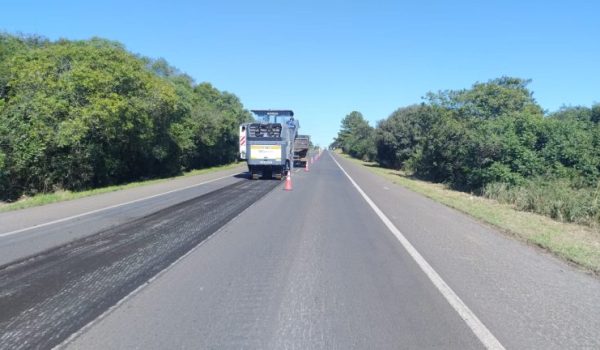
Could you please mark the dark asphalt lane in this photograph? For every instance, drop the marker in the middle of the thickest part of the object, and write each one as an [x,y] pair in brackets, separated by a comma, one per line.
[40,238]
[19,219]
[309,269]
[46,298]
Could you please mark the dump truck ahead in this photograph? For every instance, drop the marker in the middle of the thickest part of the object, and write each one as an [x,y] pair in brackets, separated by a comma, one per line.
[301,146]
[268,143]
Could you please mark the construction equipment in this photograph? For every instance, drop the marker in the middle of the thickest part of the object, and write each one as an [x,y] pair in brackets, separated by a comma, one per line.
[301,146]
[267,144]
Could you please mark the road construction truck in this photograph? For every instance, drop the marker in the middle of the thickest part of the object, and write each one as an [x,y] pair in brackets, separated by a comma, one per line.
[267,144]
[301,146]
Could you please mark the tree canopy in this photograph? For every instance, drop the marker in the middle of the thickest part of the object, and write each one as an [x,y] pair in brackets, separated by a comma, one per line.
[81,114]
[491,135]
[356,136]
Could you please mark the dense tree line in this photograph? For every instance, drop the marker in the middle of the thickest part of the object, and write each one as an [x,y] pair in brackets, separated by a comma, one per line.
[494,139]
[82,114]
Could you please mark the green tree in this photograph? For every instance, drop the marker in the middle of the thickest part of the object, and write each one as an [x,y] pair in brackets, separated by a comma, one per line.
[399,137]
[356,137]
[495,139]
[467,138]
[80,114]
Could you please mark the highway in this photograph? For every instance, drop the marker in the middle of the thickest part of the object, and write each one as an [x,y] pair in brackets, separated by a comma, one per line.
[346,260]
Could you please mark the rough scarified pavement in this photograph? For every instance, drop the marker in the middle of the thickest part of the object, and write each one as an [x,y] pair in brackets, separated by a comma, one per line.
[46,298]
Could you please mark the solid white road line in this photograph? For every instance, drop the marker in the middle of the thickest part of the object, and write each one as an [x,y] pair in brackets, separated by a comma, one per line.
[107,208]
[479,329]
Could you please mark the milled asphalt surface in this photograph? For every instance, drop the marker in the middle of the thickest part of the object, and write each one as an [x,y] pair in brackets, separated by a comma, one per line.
[38,239]
[46,298]
[315,268]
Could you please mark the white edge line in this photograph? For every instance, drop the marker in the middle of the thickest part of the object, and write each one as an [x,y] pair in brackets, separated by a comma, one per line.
[109,207]
[131,294]
[479,329]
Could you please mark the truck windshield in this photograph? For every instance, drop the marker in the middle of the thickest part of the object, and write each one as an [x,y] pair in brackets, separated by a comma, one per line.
[277,119]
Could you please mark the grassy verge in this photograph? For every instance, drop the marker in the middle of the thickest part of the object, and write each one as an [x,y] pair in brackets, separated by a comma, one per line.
[59,196]
[575,243]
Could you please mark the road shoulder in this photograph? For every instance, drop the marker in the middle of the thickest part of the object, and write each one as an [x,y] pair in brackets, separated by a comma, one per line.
[576,244]
[34,216]
[527,298]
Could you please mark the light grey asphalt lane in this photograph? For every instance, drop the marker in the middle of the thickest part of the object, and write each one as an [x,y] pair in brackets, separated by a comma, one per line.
[527,298]
[309,269]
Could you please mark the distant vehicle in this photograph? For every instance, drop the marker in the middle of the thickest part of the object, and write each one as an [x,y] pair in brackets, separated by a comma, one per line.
[301,146]
[267,144]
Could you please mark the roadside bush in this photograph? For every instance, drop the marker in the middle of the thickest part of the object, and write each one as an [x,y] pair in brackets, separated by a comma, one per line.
[494,139]
[558,199]
[82,114]
[356,137]
[399,137]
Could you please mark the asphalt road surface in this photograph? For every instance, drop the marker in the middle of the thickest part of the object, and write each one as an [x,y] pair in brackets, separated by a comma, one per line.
[47,298]
[320,267]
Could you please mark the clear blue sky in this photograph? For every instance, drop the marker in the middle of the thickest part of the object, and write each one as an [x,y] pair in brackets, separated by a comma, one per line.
[326,58]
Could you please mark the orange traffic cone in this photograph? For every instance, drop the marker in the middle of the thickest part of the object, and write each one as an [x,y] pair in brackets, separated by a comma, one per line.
[306,167]
[288,182]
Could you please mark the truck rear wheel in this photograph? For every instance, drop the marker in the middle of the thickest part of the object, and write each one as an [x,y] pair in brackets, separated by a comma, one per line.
[254,173]
[283,170]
